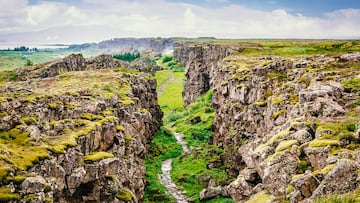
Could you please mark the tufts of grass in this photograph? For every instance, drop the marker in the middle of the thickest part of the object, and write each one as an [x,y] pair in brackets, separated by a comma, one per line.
[352,85]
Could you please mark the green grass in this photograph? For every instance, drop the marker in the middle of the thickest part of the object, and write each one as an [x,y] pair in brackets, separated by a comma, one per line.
[171,98]
[187,169]
[161,77]
[162,147]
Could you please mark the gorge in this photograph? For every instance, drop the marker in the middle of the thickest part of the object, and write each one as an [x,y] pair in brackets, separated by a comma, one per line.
[263,126]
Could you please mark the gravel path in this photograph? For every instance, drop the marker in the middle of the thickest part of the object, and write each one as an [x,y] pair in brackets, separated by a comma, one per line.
[162,86]
[165,176]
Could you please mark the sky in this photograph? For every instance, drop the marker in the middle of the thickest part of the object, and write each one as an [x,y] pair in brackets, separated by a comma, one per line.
[68,21]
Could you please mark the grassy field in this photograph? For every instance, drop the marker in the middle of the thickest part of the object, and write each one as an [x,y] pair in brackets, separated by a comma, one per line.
[171,98]
[15,59]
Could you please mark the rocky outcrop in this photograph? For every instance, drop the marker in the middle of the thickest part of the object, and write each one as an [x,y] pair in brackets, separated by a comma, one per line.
[77,130]
[200,62]
[292,120]
[137,44]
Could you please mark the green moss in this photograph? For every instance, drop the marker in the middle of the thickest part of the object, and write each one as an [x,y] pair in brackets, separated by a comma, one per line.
[278,113]
[277,75]
[3,113]
[4,170]
[90,117]
[29,119]
[352,85]
[302,166]
[120,128]
[124,195]
[280,135]
[48,200]
[277,100]
[261,197]
[6,195]
[19,179]
[323,143]
[294,99]
[324,170]
[97,156]
[47,187]
[54,105]
[260,103]
[128,138]
[289,189]
[29,198]
[286,144]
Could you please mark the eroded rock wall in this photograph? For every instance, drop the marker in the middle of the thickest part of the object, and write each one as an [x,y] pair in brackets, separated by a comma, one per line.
[293,120]
[77,136]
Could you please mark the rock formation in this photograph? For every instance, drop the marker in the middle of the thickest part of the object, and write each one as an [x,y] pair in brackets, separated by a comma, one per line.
[76,130]
[290,125]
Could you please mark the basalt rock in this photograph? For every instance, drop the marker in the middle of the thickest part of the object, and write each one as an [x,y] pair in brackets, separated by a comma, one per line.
[79,133]
[294,120]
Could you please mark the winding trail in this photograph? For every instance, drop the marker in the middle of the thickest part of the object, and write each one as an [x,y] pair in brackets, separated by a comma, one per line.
[166,167]
[165,176]
[162,86]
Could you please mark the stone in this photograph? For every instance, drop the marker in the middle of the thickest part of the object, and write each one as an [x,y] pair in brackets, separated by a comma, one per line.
[345,173]
[32,185]
[213,192]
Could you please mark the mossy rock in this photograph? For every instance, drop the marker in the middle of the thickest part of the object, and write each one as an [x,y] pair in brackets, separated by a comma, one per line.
[124,195]
[286,144]
[97,156]
[6,195]
[261,197]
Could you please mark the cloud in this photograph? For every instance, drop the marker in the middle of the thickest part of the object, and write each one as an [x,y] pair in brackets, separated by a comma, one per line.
[97,20]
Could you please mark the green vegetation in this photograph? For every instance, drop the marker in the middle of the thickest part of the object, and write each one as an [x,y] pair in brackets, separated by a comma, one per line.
[172,92]
[340,198]
[261,197]
[352,85]
[6,195]
[97,156]
[127,56]
[22,149]
[167,61]
[162,147]
[188,169]
[161,77]
[124,195]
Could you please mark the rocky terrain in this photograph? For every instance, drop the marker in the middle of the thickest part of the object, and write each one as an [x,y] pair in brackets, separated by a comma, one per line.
[290,125]
[76,130]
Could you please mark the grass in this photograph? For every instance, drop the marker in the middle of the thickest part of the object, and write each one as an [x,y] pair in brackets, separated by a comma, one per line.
[171,96]
[340,198]
[187,170]
[162,147]
[352,85]
[161,77]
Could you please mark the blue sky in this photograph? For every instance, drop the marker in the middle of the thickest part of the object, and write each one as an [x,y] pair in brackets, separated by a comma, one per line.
[68,21]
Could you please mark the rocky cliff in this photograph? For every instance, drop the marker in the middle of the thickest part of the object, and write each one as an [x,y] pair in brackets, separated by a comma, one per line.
[76,130]
[290,125]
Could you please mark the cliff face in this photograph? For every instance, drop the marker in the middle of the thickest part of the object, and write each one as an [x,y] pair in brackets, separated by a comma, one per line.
[290,126]
[76,130]
[137,44]
[200,62]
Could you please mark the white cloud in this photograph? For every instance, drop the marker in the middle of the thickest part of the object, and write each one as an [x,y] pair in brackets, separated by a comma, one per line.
[100,19]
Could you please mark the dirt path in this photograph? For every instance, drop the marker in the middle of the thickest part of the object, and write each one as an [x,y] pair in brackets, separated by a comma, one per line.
[162,86]
[165,176]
